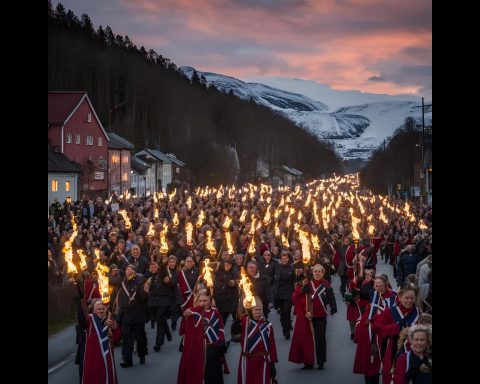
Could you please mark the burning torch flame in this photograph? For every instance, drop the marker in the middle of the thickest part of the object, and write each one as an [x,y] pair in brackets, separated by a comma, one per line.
[243,216]
[303,237]
[207,273]
[246,286]
[201,217]
[124,214]
[371,229]
[285,241]
[226,223]
[103,282]
[315,242]
[189,202]
[251,247]
[188,230]
[83,261]
[209,244]
[172,195]
[229,243]
[175,220]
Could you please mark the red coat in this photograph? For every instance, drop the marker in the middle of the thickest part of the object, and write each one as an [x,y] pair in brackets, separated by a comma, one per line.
[302,346]
[186,291]
[258,351]
[377,241]
[365,336]
[349,256]
[410,360]
[99,361]
[197,335]
[354,311]
[387,325]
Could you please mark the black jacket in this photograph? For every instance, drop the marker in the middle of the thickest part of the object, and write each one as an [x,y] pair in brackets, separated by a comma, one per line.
[132,309]
[284,282]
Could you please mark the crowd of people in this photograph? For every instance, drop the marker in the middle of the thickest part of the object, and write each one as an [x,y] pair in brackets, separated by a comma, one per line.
[288,243]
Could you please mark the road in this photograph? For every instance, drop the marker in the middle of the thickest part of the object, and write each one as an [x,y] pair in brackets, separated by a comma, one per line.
[163,366]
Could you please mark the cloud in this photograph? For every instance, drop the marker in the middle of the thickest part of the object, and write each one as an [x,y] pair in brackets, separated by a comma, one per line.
[346,44]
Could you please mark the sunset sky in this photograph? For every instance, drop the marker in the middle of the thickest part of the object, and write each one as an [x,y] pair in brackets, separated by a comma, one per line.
[379,46]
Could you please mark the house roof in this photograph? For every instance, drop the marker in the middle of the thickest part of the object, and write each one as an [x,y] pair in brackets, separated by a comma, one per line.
[118,142]
[58,162]
[138,165]
[292,171]
[174,159]
[154,154]
[62,106]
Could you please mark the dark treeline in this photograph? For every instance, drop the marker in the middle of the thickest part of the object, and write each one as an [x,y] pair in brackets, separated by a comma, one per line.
[140,95]
[394,164]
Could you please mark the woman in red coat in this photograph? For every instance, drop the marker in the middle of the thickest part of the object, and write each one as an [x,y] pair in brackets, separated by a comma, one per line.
[416,364]
[355,304]
[389,324]
[310,300]
[367,359]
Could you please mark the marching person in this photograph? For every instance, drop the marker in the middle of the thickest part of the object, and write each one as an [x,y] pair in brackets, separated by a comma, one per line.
[204,344]
[259,353]
[415,366]
[311,299]
[367,358]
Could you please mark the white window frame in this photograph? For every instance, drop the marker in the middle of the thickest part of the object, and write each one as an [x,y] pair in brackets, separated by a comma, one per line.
[89,117]
[54,185]
[78,139]
[89,140]
[100,141]
[67,185]
[68,138]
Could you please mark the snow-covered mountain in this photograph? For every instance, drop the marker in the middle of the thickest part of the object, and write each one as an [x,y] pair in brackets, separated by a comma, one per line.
[355,130]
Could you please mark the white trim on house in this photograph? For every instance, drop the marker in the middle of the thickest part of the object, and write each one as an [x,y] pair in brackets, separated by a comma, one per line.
[62,137]
[94,113]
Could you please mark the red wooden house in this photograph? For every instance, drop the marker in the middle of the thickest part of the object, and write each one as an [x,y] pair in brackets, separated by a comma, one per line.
[76,131]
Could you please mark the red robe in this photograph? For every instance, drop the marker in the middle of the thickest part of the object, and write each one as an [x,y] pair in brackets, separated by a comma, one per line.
[377,241]
[186,291]
[404,363]
[387,325]
[365,335]
[197,335]
[353,310]
[98,362]
[302,348]
[259,346]
[349,256]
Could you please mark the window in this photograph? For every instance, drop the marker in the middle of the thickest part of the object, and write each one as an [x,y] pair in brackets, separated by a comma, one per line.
[125,176]
[89,118]
[77,138]
[99,141]
[89,140]
[67,186]
[114,159]
[69,138]
[54,185]
[125,159]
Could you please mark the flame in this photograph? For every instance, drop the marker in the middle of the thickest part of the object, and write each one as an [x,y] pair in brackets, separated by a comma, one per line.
[251,247]
[172,195]
[83,261]
[229,243]
[189,202]
[124,214]
[355,222]
[97,253]
[307,202]
[300,215]
[189,230]
[315,215]
[163,240]
[151,230]
[285,241]
[68,252]
[315,242]
[303,237]
[243,216]
[200,219]
[266,219]
[252,226]
[382,216]
[155,199]
[155,213]
[175,220]
[207,273]
[226,223]
[103,282]
[422,225]
[246,286]
[371,229]
[277,230]
[209,244]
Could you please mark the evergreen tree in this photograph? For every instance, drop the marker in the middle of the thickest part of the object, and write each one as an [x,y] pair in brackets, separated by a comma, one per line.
[128,43]
[109,36]
[50,9]
[195,78]
[60,12]
[119,41]
[87,25]
[143,52]
[101,34]
[203,81]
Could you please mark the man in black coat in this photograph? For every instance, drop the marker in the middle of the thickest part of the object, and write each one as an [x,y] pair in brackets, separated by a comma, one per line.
[132,312]
[141,263]
[260,285]
[283,289]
